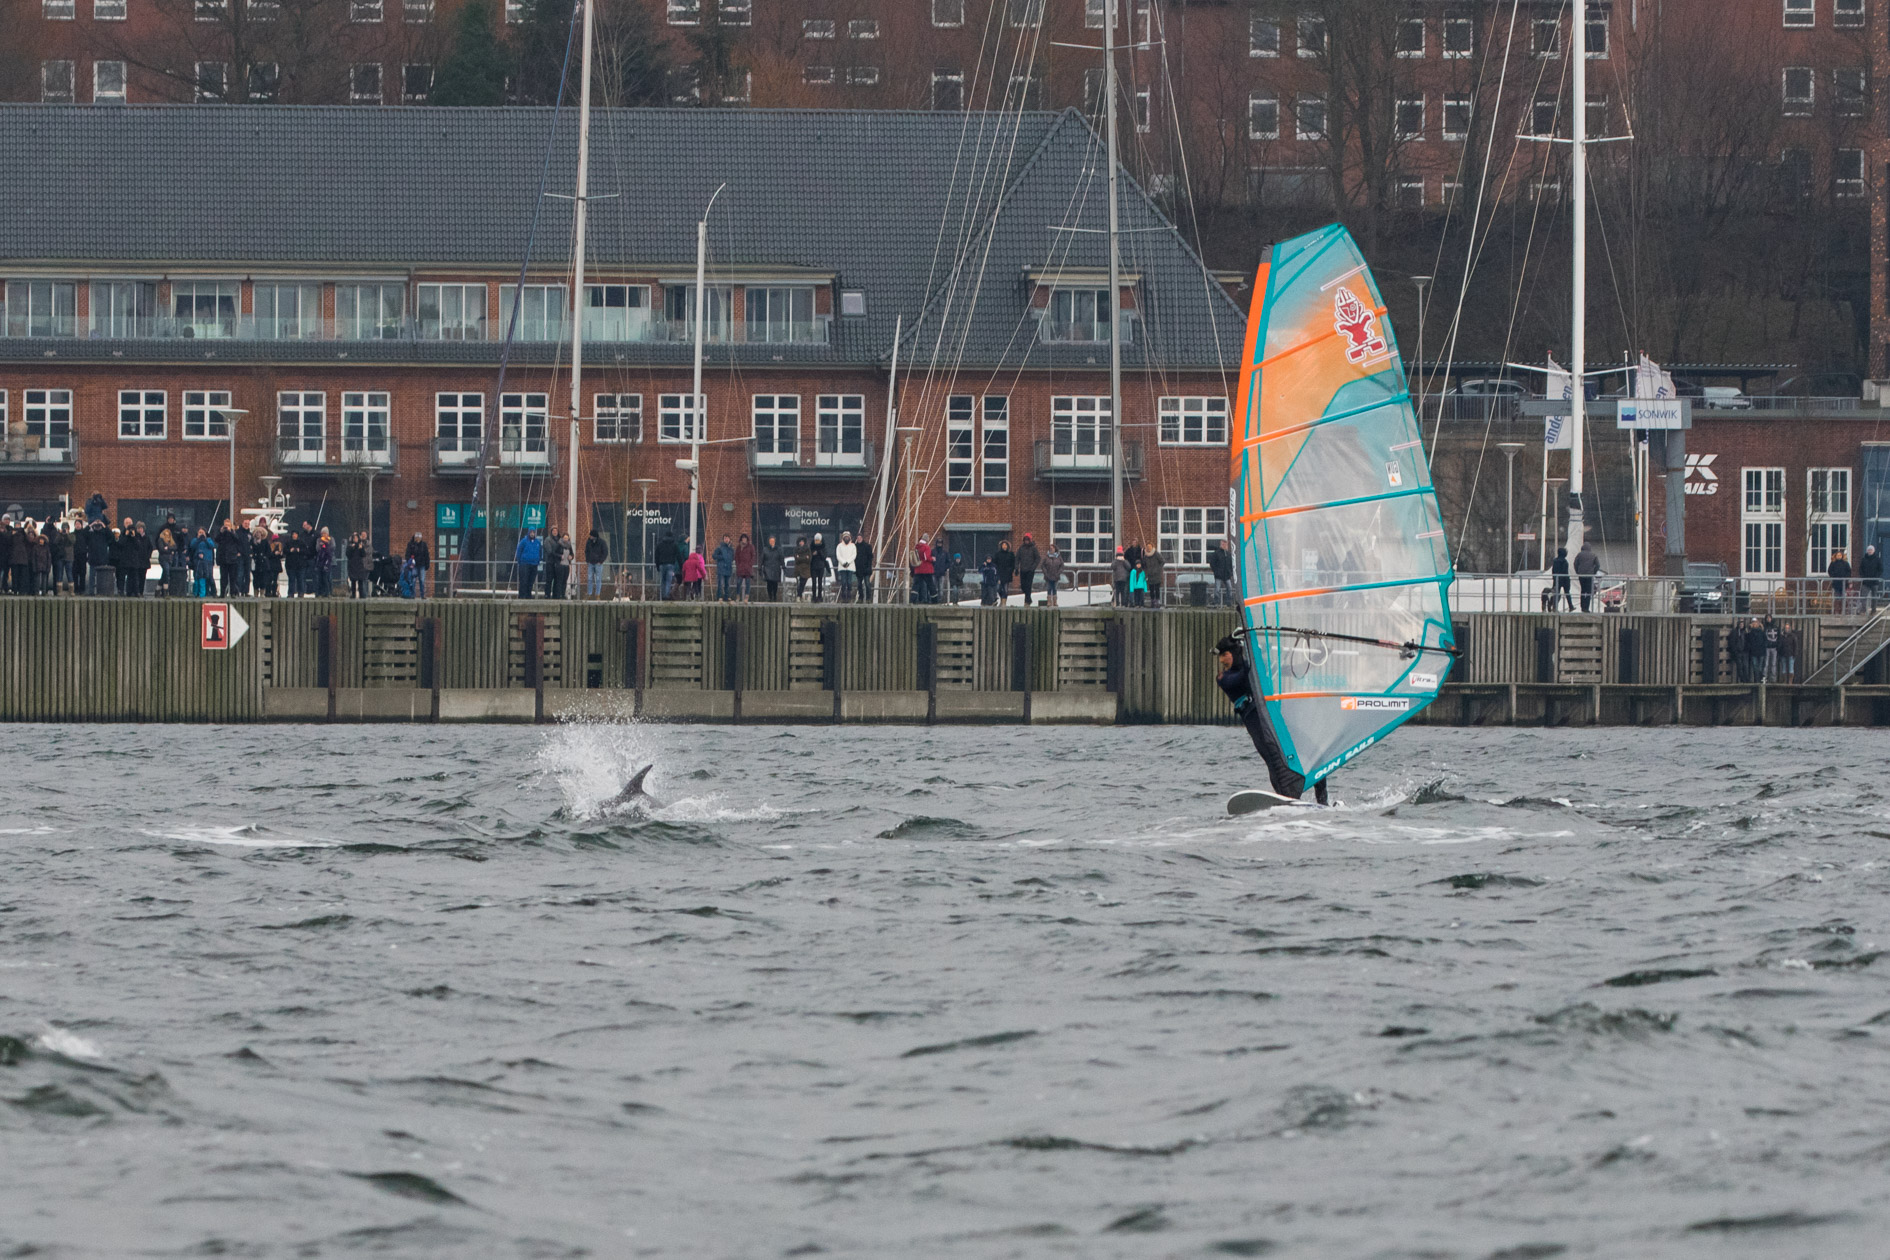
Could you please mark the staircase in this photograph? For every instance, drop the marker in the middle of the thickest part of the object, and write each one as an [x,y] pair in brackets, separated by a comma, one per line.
[390,649]
[675,646]
[1082,652]
[806,662]
[1578,650]
[516,651]
[1852,654]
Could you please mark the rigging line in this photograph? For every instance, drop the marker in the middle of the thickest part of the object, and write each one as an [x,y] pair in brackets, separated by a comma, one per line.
[480,486]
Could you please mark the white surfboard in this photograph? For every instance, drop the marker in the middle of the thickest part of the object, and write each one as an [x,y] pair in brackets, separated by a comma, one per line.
[1253,800]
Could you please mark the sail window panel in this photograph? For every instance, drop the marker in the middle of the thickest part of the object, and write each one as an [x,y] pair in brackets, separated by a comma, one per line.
[959,438]
[301,426]
[1085,535]
[204,415]
[366,425]
[777,429]
[141,414]
[451,312]
[995,457]
[205,308]
[840,430]
[1194,421]
[1333,557]
[541,313]
[617,418]
[1187,534]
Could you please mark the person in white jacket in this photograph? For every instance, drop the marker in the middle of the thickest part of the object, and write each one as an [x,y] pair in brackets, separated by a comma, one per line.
[844,555]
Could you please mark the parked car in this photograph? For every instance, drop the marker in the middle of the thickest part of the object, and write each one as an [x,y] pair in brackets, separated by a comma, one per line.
[1494,387]
[1724,398]
[1704,588]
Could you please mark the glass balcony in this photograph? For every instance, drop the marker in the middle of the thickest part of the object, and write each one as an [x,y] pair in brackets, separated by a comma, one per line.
[1066,460]
[33,454]
[108,327]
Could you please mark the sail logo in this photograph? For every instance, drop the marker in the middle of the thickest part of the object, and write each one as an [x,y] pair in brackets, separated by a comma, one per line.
[1356,322]
[1385,704]
[1700,477]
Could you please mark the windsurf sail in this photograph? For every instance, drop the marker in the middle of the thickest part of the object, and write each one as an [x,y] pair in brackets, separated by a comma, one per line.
[1344,571]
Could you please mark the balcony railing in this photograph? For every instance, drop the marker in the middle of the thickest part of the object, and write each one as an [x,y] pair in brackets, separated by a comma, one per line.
[812,462]
[295,455]
[1059,460]
[455,457]
[526,451]
[814,332]
[29,454]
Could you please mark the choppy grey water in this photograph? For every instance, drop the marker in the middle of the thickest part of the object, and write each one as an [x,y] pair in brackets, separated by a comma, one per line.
[955,993]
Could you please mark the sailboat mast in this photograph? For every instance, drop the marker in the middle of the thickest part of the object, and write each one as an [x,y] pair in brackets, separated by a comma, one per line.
[1578,342]
[1115,280]
[577,279]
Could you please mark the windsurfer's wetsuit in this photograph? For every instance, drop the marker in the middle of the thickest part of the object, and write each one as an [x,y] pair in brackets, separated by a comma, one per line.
[1238,684]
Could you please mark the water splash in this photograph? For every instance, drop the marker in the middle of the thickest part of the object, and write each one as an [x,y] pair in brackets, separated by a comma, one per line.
[590,759]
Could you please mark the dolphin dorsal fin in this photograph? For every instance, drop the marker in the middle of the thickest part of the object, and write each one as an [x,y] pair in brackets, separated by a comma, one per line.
[635,786]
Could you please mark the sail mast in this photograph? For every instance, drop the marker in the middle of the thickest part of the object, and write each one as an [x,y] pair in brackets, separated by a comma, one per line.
[1578,347]
[577,280]
[1115,280]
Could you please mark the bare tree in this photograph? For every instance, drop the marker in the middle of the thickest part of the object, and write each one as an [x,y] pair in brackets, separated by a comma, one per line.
[237,51]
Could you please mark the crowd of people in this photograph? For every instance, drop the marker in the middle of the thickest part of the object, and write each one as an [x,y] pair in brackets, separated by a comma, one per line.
[1764,650]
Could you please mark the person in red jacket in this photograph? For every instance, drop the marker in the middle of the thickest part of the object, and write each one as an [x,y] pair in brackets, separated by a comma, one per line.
[694,569]
[924,579]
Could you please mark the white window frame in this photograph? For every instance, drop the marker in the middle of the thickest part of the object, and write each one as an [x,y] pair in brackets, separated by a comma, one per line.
[1595,23]
[863,28]
[48,416]
[108,10]
[1085,535]
[1843,182]
[1256,127]
[1023,14]
[367,427]
[943,12]
[1762,523]
[59,10]
[634,300]
[1263,36]
[1466,111]
[1597,116]
[1080,431]
[203,418]
[1852,99]
[1300,129]
[780,415]
[455,412]
[366,10]
[543,318]
[1404,28]
[525,428]
[101,91]
[994,446]
[960,445]
[1184,535]
[1422,105]
[41,308]
[122,309]
[407,95]
[297,440]
[466,305]
[1847,13]
[357,91]
[1798,105]
[51,75]
[839,422]
[1192,420]
[265,78]
[143,415]
[685,12]
[819,28]
[1458,26]
[1142,104]
[1800,14]
[862,76]
[1450,192]
[624,412]
[953,81]
[414,12]
[389,299]
[1553,104]
[797,324]
[1310,35]
[1552,27]
[215,307]
[1410,194]
[304,325]
[817,75]
[1827,517]
[674,418]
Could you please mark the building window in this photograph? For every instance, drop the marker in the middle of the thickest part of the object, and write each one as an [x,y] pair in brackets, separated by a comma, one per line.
[364,83]
[1092,91]
[49,417]
[1597,121]
[265,80]
[1194,421]
[1410,194]
[959,437]
[1085,535]
[1309,118]
[777,429]
[863,28]
[205,308]
[1093,11]
[1596,27]
[1263,36]
[1546,37]
[108,10]
[514,12]
[1410,118]
[1081,315]
[108,82]
[685,12]
[948,12]
[301,427]
[1263,118]
[817,28]
[286,312]
[1828,516]
[364,426]
[1187,533]
[852,302]
[369,312]
[1460,37]
[211,10]
[123,308]
[59,10]
[1801,13]
[1312,35]
[417,12]
[1847,13]
[1079,432]
[364,10]
[541,318]
[781,315]
[738,12]
[458,422]
[862,76]
[416,83]
[617,418]
[997,444]
[1847,173]
[1452,193]
[1025,92]
[55,82]
[1762,517]
[615,312]
[1800,88]
[1456,117]
[676,420]
[1025,12]
[1848,92]
[203,414]
[1140,102]
[524,428]
[679,308]
[816,74]
[1542,117]
[451,312]
[1411,37]
[41,308]
[840,430]
[141,414]
[948,89]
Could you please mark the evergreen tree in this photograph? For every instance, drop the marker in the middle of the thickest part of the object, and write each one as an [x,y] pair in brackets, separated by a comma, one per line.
[632,67]
[474,70]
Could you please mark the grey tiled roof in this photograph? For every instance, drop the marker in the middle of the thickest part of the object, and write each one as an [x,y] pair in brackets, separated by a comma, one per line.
[920,210]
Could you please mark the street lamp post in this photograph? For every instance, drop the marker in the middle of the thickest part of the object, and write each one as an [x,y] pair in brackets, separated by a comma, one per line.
[643,552]
[229,415]
[908,509]
[1509,512]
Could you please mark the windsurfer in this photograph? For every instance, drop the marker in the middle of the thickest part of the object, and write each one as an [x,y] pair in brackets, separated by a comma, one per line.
[1236,680]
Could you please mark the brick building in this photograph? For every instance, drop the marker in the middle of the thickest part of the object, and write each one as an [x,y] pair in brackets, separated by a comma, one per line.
[342,301]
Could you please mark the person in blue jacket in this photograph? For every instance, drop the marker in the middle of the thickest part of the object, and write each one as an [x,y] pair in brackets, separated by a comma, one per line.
[530,552]
[724,557]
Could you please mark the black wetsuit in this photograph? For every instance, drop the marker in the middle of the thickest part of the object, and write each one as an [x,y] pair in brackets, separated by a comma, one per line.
[1238,685]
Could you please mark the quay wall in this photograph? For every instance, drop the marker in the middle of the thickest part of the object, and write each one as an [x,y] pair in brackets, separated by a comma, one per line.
[130,660]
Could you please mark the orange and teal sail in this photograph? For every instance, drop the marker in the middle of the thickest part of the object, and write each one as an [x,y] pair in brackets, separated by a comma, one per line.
[1344,570]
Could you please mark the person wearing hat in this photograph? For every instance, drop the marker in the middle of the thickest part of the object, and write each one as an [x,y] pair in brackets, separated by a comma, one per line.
[1119,574]
[1237,681]
[1028,560]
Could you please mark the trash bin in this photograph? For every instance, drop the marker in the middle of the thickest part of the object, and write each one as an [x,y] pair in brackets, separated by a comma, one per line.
[1197,594]
[1742,602]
